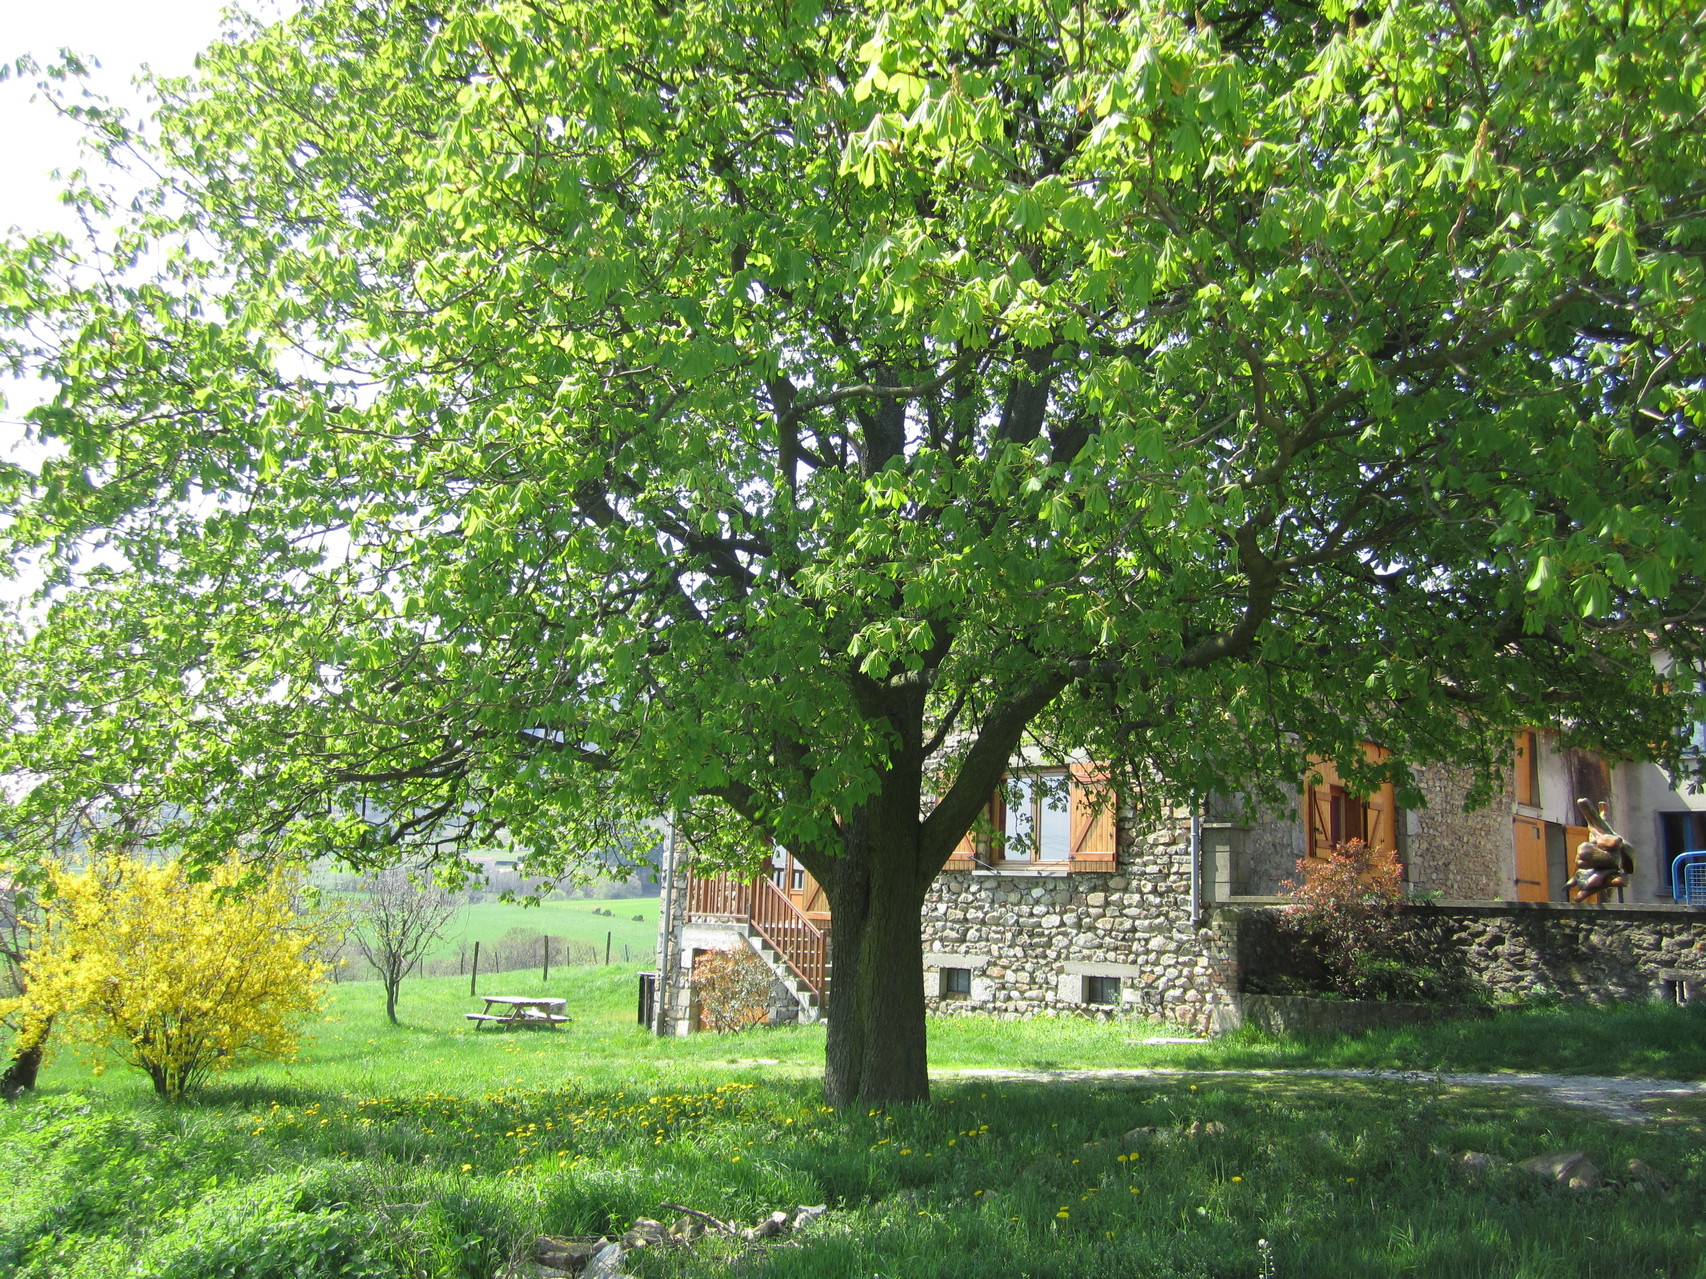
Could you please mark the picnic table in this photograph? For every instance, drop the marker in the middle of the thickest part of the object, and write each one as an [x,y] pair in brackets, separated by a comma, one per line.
[520,1010]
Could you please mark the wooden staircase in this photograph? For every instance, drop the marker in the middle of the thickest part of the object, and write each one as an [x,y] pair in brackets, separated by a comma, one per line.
[788,941]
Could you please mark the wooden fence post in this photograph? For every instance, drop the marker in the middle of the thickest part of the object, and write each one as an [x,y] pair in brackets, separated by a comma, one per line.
[544,959]
[607,950]
[474,972]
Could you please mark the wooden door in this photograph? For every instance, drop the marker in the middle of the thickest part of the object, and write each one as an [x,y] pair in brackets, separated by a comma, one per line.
[1531,879]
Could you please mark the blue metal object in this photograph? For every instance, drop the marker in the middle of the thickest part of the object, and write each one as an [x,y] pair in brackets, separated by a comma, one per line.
[1688,878]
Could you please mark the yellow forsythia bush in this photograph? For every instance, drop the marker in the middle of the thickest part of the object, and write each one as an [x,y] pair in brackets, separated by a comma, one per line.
[181,978]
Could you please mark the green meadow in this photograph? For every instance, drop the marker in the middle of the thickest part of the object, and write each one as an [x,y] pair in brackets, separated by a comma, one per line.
[431,1150]
[577,921]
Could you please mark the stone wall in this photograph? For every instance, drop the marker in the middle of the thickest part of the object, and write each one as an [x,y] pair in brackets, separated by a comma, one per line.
[1522,951]
[1460,855]
[1465,856]
[1252,855]
[1031,939]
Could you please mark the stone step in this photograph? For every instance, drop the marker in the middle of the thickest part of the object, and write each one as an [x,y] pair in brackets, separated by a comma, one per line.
[809,1001]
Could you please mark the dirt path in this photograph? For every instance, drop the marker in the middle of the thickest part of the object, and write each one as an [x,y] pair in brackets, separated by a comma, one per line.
[1614,1095]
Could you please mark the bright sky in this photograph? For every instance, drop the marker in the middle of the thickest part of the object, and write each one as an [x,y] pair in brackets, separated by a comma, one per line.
[122,36]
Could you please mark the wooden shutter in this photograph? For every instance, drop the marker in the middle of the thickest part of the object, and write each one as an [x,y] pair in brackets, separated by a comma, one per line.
[1318,819]
[813,900]
[966,853]
[1527,769]
[1531,878]
[1380,819]
[1574,838]
[964,856]
[1373,819]
[1094,819]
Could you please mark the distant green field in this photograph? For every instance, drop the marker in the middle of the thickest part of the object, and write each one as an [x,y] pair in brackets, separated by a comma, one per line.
[574,920]
[578,935]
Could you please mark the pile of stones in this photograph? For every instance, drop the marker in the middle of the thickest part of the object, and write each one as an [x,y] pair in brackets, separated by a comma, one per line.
[1571,1169]
[600,1257]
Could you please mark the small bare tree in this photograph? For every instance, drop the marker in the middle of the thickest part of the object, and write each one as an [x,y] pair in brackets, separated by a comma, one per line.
[401,914]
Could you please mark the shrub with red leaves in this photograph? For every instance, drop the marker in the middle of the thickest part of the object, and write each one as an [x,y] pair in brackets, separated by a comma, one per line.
[1345,906]
[733,988]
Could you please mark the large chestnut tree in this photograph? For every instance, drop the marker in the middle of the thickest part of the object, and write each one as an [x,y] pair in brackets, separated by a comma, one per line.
[519,417]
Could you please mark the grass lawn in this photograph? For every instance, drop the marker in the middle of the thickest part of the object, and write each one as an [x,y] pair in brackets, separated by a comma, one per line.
[430,1150]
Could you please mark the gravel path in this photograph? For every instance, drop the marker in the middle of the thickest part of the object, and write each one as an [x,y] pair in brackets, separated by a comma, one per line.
[1614,1095]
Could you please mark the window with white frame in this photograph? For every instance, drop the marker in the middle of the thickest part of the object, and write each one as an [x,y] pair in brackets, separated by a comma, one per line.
[956,983]
[1036,817]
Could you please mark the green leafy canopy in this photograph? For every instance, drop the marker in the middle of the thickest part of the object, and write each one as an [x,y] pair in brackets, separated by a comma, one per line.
[528,417]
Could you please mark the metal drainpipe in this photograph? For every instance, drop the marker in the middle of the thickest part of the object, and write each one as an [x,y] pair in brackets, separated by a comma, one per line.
[666,942]
[1196,863]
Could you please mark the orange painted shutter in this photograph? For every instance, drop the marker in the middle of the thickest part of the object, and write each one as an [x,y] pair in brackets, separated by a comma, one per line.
[1317,819]
[1574,838]
[1530,836]
[1526,774]
[965,853]
[1380,819]
[1093,827]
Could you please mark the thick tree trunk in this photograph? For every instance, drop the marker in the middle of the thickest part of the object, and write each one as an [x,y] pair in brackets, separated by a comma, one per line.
[875,1055]
[21,1071]
[876,882]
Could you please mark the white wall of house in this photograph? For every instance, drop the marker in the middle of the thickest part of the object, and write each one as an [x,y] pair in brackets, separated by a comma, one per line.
[1639,796]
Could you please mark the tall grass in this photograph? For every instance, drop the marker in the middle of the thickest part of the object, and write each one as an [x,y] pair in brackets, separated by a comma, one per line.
[432,1150]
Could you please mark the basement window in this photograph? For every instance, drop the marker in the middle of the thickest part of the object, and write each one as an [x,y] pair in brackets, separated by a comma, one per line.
[1102,990]
[956,983]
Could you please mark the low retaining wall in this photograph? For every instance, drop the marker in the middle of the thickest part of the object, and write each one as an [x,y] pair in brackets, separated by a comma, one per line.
[1520,951]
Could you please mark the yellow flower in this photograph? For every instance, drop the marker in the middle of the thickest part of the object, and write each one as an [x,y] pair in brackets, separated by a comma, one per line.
[182,977]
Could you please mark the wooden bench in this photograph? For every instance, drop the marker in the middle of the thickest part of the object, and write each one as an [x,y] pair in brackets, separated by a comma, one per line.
[1682,985]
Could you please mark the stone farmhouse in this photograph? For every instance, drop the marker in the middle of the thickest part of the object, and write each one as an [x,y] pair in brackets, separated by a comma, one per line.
[1058,905]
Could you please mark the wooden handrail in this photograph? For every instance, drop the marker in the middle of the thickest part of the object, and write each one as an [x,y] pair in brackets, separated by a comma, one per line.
[803,946]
